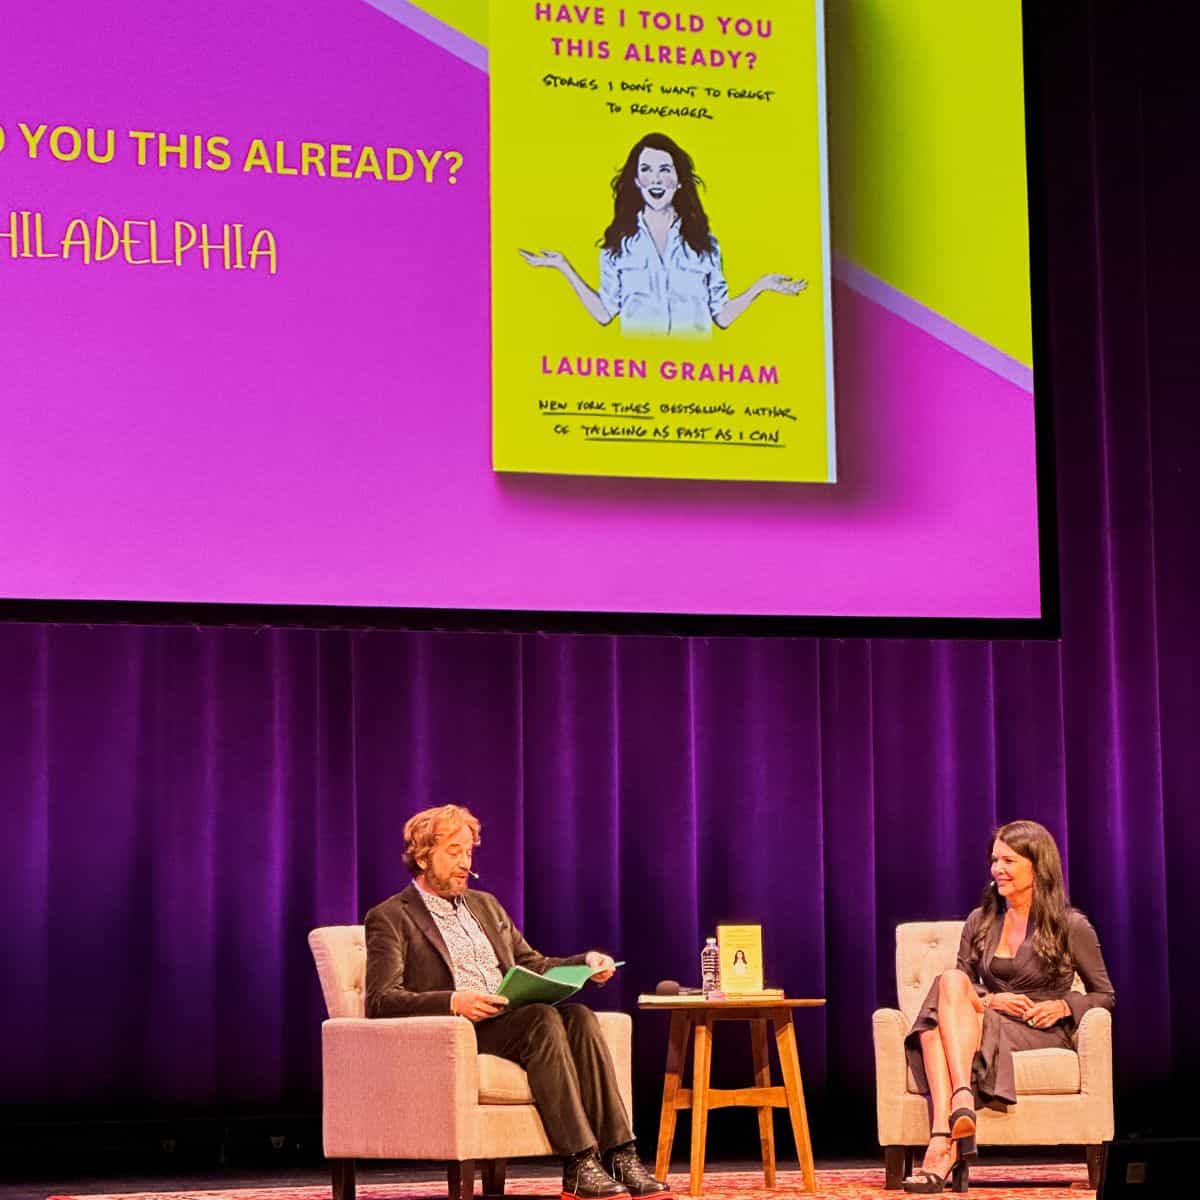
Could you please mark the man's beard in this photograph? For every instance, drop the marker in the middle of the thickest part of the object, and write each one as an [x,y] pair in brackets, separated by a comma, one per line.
[443,885]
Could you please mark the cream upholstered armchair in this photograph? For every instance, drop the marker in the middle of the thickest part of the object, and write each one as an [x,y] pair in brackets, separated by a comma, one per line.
[1065,1097]
[416,1087]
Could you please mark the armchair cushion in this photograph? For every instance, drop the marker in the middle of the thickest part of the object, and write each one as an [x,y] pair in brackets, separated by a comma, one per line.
[502,1082]
[1046,1072]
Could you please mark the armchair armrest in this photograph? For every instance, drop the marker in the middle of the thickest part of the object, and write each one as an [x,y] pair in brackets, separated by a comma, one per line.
[617,1028]
[400,1087]
[1094,1044]
[889,1027]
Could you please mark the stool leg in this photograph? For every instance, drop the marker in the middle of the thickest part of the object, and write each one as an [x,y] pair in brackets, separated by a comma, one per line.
[793,1082]
[701,1071]
[762,1079]
[676,1057]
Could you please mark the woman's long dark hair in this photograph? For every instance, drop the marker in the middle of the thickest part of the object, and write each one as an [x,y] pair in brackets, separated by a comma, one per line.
[1048,915]
[628,202]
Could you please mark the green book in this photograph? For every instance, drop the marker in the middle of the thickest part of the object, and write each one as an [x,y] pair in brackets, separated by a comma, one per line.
[523,986]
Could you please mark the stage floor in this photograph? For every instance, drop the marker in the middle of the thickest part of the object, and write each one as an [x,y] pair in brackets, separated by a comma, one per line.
[996,1176]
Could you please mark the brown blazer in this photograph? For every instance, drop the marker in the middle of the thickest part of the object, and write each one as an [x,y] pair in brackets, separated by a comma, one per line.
[409,973]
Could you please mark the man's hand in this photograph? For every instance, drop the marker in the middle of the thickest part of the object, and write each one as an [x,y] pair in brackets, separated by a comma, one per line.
[602,964]
[1046,1013]
[477,1006]
[1013,1003]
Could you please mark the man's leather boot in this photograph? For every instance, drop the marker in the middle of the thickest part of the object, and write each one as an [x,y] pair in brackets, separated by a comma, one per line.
[585,1179]
[623,1164]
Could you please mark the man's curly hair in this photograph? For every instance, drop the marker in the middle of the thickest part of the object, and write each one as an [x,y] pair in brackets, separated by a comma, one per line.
[422,830]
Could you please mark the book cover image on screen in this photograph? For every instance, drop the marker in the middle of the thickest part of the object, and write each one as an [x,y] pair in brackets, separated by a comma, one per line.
[511,310]
[676,321]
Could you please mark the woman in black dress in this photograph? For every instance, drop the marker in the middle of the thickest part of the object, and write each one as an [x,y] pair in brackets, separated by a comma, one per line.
[1017,960]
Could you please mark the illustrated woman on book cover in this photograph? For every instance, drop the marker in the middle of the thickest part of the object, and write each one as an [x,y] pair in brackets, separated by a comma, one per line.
[660,265]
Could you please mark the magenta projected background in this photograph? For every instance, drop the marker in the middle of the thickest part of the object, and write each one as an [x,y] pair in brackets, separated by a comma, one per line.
[315,428]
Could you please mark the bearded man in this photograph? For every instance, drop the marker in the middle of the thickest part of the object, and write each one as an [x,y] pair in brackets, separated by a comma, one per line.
[439,948]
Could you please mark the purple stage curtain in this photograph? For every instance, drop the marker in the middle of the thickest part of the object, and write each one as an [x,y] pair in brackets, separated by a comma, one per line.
[181,806]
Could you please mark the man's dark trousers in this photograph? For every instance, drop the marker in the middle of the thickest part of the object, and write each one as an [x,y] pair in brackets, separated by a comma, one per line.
[570,1073]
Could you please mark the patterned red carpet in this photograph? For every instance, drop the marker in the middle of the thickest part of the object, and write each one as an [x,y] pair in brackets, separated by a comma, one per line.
[1026,1182]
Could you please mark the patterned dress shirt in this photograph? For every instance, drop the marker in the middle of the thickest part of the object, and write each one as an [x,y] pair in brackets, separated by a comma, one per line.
[471,954]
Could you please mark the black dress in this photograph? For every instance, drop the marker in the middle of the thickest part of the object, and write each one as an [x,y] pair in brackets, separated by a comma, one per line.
[1024,973]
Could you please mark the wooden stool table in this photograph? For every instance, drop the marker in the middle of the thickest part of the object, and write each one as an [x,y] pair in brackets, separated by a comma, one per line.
[695,1015]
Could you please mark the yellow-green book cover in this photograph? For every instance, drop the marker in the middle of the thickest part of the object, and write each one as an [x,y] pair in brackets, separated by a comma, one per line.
[741,958]
[660,241]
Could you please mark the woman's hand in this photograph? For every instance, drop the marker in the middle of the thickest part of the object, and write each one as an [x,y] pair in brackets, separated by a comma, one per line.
[477,1006]
[785,285]
[602,964]
[546,258]
[1012,1003]
[588,296]
[1046,1013]
[733,308]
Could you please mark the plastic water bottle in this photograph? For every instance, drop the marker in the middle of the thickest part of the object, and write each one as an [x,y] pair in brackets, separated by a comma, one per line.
[710,967]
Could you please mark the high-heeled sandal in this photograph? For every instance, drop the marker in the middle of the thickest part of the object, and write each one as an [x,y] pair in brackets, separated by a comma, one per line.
[962,1123]
[931,1183]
